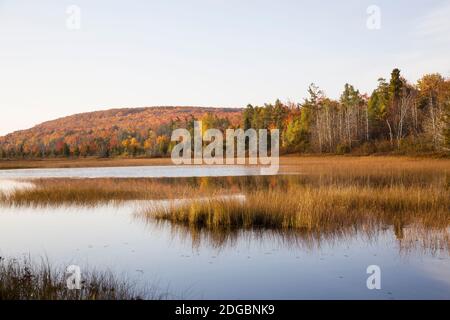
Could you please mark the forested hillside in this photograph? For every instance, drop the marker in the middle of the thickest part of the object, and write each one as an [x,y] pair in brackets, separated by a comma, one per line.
[129,132]
[398,116]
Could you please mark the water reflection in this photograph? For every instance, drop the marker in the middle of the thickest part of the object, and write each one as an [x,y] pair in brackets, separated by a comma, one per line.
[131,172]
[233,264]
[412,237]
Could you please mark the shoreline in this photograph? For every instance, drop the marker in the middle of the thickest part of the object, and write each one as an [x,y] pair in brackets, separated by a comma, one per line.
[136,162]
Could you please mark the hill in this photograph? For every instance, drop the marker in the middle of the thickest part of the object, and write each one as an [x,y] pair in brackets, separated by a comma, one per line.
[115,131]
[398,117]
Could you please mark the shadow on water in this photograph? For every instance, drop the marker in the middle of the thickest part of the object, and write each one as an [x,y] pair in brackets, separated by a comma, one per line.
[410,237]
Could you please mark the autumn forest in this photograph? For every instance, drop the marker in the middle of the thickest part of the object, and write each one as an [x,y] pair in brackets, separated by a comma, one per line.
[397,117]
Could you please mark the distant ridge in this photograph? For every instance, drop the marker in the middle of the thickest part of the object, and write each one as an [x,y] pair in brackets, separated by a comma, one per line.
[124,117]
[107,124]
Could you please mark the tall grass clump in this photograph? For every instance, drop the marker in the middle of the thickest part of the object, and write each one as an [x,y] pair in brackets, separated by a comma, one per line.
[90,192]
[24,280]
[315,209]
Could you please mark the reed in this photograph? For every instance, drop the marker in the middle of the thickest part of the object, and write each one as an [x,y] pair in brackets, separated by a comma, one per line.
[89,162]
[26,280]
[91,192]
[315,209]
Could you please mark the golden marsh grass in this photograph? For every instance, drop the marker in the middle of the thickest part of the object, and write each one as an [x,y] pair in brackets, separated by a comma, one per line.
[81,163]
[91,192]
[316,209]
[314,172]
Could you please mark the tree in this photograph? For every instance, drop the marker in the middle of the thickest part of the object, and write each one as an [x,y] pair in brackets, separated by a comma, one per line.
[66,150]
[131,145]
[150,143]
[162,143]
[434,96]
[350,102]
[395,95]
[447,127]
[293,136]
[311,118]
[247,117]
[395,86]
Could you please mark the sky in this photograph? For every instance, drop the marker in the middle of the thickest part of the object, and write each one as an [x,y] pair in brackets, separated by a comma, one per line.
[61,57]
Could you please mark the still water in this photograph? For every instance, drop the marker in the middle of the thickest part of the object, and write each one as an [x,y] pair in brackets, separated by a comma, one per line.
[169,171]
[249,265]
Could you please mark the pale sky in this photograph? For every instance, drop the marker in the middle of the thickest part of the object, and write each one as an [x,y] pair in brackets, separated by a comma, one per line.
[224,53]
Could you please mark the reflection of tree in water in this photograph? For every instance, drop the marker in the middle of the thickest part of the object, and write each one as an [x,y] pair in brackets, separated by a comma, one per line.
[411,237]
[334,177]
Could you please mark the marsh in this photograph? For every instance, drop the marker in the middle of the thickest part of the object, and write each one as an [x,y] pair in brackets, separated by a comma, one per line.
[309,232]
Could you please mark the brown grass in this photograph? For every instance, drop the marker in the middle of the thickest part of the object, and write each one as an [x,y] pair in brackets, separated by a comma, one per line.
[25,280]
[91,192]
[372,173]
[394,168]
[308,164]
[316,209]
[81,163]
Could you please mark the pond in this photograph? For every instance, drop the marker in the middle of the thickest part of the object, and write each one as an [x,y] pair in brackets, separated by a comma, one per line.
[247,265]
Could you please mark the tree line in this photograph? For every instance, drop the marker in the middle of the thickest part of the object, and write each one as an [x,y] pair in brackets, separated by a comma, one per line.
[141,141]
[397,117]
